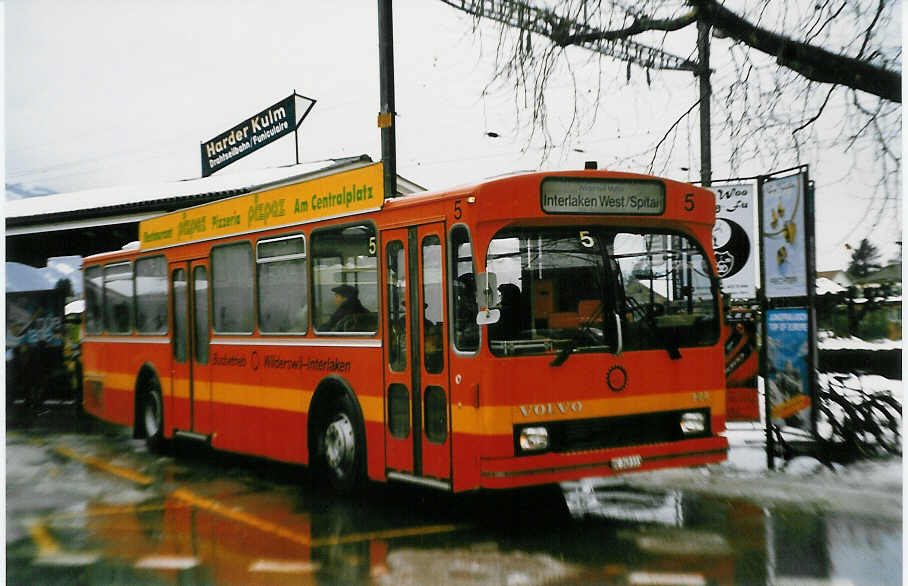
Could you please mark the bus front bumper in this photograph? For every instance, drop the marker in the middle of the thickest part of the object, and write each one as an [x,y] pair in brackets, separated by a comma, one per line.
[552,468]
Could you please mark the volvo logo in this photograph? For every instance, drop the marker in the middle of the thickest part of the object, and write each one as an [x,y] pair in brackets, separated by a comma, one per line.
[616,378]
[551,408]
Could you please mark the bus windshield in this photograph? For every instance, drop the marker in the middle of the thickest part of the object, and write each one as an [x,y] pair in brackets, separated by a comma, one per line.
[596,289]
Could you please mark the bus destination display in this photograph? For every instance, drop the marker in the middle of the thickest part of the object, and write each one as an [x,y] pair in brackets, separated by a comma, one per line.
[569,195]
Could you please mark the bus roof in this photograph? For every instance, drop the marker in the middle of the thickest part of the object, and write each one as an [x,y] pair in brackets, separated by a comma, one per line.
[323,196]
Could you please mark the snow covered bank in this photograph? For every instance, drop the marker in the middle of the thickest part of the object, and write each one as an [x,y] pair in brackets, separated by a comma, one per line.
[853,343]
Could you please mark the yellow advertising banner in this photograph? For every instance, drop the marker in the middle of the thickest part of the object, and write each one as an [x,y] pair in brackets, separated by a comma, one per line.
[790,407]
[324,197]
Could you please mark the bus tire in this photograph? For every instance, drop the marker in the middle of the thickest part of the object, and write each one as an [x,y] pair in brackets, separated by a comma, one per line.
[152,413]
[339,450]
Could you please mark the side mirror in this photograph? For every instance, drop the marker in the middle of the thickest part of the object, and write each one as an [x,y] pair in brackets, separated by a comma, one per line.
[487,317]
[487,299]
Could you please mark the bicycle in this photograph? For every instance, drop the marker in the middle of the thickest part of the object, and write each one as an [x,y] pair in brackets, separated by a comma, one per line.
[848,415]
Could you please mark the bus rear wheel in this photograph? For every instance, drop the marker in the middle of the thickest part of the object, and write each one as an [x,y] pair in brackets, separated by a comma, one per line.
[153,416]
[340,448]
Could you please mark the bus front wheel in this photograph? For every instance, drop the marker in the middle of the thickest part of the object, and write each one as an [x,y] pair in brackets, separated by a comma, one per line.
[340,447]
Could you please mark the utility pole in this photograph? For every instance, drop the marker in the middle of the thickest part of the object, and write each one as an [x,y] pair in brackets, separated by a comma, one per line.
[706,165]
[386,83]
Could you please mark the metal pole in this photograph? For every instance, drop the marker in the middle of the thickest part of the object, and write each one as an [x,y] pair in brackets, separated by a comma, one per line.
[386,83]
[296,127]
[764,337]
[811,258]
[706,165]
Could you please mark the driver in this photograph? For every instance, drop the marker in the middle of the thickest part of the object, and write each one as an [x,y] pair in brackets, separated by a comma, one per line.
[346,299]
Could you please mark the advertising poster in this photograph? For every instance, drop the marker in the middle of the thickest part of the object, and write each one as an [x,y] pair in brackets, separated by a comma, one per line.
[784,247]
[787,383]
[734,239]
[741,367]
[33,318]
[324,197]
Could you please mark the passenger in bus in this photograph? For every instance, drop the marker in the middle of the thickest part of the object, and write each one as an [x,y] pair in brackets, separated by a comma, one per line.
[346,299]
[508,326]
[465,310]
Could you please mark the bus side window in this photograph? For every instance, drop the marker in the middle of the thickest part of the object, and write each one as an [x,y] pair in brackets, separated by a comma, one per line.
[283,304]
[180,317]
[151,295]
[465,330]
[94,300]
[232,291]
[397,308]
[345,279]
[433,297]
[118,298]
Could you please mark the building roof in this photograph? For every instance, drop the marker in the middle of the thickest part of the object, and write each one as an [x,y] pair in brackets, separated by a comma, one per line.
[111,205]
[826,286]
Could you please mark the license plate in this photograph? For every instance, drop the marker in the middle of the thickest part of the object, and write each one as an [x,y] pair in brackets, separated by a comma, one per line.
[626,462]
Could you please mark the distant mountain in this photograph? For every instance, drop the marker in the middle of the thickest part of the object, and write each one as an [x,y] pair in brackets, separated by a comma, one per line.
[22,191]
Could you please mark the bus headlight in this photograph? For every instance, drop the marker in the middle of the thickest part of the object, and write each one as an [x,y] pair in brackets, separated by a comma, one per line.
[533,439]
[693,423]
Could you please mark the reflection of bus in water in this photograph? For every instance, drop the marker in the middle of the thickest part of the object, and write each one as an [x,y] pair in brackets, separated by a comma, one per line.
[531,329]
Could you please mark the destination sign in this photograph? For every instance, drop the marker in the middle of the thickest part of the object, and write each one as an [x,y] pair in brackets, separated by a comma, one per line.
[330,196]
[249,136]
[573,195]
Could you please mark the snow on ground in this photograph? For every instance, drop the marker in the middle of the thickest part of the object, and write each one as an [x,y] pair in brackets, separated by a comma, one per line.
[853,343]
[865,487]
[826,341]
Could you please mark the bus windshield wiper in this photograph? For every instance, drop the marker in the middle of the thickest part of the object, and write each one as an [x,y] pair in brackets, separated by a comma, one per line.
[585,332]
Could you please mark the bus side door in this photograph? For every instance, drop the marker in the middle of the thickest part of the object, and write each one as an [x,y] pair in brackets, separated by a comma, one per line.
[190,378]
[417,398]
[201,338]
[181,368]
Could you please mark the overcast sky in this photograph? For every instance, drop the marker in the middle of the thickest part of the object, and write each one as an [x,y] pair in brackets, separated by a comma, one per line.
[104,93]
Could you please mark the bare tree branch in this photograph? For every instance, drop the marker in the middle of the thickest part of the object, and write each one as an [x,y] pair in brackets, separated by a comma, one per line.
[669,131]
[816,116]
[640,25]
[768,108]
[814,63]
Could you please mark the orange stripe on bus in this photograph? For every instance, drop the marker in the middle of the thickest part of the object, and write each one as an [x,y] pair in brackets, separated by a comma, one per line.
[279,398]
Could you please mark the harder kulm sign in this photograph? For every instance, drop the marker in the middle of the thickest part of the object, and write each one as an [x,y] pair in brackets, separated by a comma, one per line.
[252,134]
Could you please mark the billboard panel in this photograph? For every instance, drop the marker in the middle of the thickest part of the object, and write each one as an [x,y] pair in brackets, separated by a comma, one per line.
[787,382]
[734,241]
[784,242]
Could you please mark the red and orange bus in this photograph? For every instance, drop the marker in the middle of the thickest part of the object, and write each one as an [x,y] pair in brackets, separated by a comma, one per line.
[530,329]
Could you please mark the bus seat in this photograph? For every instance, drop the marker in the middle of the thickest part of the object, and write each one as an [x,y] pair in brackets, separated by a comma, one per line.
[587,307]
[564,320]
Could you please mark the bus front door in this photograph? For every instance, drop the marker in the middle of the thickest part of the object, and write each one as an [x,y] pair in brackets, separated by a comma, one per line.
[190,374]
[417,397]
